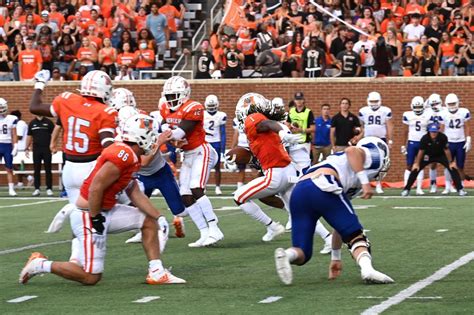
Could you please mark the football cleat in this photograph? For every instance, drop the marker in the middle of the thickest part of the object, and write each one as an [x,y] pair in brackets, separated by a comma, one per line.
[453,190]
[178,224]
[163,276]
[200,241]
[327,246]
[462,192]
[420,192]
[378,189]
[137,238]
[405,193]
[283,267]
[12,193]
[375,277]
[36,193]
[49,192]
[288,226]
[433,189]
[445,191]
[218,191]
[273,230]
[215,235]
[32,267]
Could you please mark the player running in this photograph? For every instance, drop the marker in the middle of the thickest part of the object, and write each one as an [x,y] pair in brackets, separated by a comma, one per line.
[97,213]
[8,143]
[377,120]
[185,119]
[417,121]
[325,191]
[455,122]
[214,125]
[265,138]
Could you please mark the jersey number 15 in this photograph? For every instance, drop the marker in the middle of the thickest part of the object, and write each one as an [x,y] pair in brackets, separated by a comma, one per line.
[74,134]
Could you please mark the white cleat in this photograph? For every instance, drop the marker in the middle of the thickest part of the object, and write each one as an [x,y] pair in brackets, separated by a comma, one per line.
[12,193]
[378,189]
[36,193]
[445,192]
[58,221]
[163,276]
[215,235]
[462,192]
[49,192]
[218,191]
[433,189]
[273,230]
[420,192]
[200,241]
[327,246]
[453,190]
[375,277]
[137,238]
[405,193]
[32,268]
[283,267]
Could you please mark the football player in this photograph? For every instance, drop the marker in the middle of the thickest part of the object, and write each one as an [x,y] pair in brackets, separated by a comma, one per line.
[454,121]
[185,118]
[8,142]
[265,138]
[417,121]
[377,123]
[97,213]
[239,139]
[434,103]
[325,191]
[214,125]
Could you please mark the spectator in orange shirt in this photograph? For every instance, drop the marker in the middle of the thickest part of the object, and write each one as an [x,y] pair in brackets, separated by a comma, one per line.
[55,16]
[46,50]
[144,59]
[76,75]
[29,9]
[102,30]
[413,7]
[294,53]
[87,55]
[140,19]
[171,13]
[93,36]
[446,54]
[85,10]
[148,36]
[107,57]
[126,57]
[29,61]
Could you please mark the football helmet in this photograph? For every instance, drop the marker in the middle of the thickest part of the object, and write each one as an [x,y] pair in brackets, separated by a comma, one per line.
[417,105]
[122,97]
[452,102]
[248,104]
[139,129]
[176,91]
[211,103]
[125,113]
[97,84]
[435,102]
[374,100]
[3,106]
[377,157]
[278,109]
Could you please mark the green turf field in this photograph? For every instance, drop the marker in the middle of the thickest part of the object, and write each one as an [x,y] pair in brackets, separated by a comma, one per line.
[234,276]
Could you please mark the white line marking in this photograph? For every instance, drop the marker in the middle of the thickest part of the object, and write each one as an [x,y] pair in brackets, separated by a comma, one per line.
[146,299]
[365,231]
[33,198]
[19,249]
[28,204]
[227,208]
[417,208]
[442,230]
[414,288]
[364,206]
[22,299]
[411,297]
[270,299]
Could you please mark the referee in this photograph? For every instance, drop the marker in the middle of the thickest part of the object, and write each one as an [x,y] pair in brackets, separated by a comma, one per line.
[434,149]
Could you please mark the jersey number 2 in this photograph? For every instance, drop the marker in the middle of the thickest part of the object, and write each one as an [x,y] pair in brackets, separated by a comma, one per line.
[74,133]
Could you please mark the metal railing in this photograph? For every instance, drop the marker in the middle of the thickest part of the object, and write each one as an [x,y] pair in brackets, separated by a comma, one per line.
[178,68]
[183,73]
[216,13]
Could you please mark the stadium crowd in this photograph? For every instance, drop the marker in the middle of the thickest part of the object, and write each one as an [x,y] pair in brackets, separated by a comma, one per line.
[367,38]
[73,37]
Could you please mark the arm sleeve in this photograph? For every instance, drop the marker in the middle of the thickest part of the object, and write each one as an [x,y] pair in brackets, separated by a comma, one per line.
[310,118]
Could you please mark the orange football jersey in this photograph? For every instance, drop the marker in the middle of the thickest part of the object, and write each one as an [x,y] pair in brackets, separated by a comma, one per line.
[82,120]
[190,110]
[122,156]
[266,146]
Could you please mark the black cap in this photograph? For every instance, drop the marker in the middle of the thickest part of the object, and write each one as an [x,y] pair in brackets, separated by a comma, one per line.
[299,96]
[416,15]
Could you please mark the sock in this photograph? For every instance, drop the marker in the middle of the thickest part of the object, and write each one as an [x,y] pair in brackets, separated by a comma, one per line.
[447,177]
[75,248]
[239,184]
[379,184]
[291,253]
[46,266]
[405,177]
[253,210]
[206,208]
[321,230]
[364,260]
[155,264]
[183,214]
[11,186]
[433,174]
[419,180]
[196,215]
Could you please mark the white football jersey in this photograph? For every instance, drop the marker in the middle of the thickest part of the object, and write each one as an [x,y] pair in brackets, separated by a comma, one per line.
[375,121]
[298,152]
[212,125]
[243,141]
[417,124]
[157,119]
[454,124]
[7,123]
[22,131]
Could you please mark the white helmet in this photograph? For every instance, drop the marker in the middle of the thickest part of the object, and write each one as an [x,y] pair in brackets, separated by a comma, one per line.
[139,129]
[3,106]
[125,113]
[435,102]
[417,105]
[249,103]
[97,84]
[374,100]
[452,102]
[211,103]
[377,157]
[176,91]
[278,108]
[122,97]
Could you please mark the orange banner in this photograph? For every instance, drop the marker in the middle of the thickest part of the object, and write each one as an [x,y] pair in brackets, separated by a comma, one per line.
[234,15]
[440,182]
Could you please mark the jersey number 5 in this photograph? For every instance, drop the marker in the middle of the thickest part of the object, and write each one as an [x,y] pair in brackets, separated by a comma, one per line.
[74,134]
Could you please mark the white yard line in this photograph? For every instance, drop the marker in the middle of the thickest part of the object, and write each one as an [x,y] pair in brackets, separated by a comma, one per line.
[441,230]
[411,297]
[32,198]
[270,299]
[22,299]
[19,249]
[417,208]
[29,204]
[146,299]
[418,286]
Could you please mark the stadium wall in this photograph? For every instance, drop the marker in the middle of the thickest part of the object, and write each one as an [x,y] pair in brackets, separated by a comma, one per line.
[396,93]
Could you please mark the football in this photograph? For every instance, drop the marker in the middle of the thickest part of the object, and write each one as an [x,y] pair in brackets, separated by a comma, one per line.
[240,155]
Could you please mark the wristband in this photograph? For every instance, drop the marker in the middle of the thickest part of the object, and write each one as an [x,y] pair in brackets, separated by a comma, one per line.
[98,223]
[336,254]
[363,178]
[40,86]
[390,142]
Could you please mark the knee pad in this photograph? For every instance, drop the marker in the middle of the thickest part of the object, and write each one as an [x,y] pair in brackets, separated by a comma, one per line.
[356,240]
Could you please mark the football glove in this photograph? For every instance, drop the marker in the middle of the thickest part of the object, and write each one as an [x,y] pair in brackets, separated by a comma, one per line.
[41,78]
[15,149]
[288,138]
[403,149]
[229,163]
[98,229]
[467,146]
